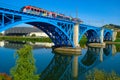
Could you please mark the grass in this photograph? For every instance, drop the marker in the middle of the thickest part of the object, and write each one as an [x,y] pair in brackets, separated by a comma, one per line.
[117,40]
[20,38]
[102,75]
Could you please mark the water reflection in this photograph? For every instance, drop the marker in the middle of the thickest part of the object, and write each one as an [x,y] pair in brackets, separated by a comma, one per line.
[65,67]
[62,68]
[20,44]
[56,68]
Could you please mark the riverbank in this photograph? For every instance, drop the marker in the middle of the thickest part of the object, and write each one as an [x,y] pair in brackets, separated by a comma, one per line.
[112,42]
[21,38]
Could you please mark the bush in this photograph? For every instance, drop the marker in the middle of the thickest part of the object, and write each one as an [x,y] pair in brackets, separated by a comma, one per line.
[33,35]
[1,34]
[102,75]
[25,65]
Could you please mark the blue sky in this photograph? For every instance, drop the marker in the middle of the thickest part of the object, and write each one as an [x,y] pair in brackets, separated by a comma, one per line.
[93,12]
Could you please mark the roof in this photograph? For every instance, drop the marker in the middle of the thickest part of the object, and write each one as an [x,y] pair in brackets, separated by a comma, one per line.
[22,30]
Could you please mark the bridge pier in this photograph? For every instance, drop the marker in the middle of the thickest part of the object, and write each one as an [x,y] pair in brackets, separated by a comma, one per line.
[76,48]
[101,35]
[114,34]
[76,34]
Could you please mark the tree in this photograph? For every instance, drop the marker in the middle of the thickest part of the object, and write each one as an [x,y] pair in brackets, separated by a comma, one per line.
[25,66]
[33,35]
[1,34]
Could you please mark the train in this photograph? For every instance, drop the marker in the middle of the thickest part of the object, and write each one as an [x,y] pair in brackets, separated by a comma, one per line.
[42,12]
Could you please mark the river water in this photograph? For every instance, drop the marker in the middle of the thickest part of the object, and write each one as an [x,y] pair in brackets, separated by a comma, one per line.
[57,66]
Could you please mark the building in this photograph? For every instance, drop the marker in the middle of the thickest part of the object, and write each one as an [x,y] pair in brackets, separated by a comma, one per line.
[25,31]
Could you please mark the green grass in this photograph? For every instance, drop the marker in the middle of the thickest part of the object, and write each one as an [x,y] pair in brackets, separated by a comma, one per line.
[20,38]
[102,75]
[117,47]
[117,40]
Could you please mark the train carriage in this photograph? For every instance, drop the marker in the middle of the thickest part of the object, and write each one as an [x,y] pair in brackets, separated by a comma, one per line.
[42,12]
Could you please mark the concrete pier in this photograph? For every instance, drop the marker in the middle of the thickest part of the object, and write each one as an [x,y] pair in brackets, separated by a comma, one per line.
[71,50]
[101,35]
[97,44]
[114,34]
[67,50]
[76,35]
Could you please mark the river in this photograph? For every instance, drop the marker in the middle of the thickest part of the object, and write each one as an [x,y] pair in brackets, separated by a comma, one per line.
[57,66]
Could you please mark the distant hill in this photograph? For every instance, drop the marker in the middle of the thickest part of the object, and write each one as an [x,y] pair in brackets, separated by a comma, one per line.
[112,26]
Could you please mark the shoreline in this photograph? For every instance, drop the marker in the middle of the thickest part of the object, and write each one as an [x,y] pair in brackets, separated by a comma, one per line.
[112,42]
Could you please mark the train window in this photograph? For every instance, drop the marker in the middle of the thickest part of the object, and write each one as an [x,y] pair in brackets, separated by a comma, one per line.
[32,9]
[37,10]
[41,11]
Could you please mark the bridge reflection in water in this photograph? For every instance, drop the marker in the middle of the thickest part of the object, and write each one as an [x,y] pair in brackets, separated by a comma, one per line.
[71,67]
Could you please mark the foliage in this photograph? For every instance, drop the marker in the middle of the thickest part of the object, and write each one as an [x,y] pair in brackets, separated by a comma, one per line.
[102,75]
[83,41]
[117,47]
[25,67]
[18,38]
[112,26]
[4,76]
[1,34]
[33,35]
[118,34]
[117,40]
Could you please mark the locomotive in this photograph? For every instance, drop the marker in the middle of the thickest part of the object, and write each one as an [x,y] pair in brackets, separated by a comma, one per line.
[42,12]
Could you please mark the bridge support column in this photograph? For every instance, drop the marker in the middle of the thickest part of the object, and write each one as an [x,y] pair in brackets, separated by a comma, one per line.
[76,34]
[101,35]
[75,67]
[114,34]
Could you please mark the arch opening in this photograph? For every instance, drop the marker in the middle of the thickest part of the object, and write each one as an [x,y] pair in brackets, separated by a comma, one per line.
[58,35]
[107,37]
[89,36]
[55,34]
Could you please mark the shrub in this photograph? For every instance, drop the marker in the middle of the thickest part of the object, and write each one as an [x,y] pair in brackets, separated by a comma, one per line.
[102,75]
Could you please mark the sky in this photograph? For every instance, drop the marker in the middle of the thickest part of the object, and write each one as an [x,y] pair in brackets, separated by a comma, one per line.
[91,12]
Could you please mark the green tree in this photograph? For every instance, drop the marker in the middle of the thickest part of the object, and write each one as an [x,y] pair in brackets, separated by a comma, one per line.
[33,35]
[25,65]
[1,34]
[118,34]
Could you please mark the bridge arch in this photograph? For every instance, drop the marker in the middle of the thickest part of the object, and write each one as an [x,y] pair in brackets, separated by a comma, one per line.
[107,35]
[91,35]
[58,36]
